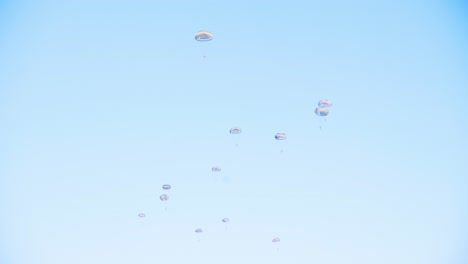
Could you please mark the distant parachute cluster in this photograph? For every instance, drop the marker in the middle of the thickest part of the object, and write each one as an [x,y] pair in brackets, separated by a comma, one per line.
[322,110]
[164,197]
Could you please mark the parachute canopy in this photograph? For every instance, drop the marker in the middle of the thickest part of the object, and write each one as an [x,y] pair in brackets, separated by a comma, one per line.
[166,187]
[164,197]
[321,111]
[225,220]
[325,103]
[141,215]
[280,136]
[203,35]
[198,230]
[216,169]
[275,240]
[235,130]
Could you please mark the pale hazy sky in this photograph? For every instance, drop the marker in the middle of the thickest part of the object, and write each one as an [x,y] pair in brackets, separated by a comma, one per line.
[102,102]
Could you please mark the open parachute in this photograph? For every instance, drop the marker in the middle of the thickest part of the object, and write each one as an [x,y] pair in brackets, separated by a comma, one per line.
[325,103]
[235,131]
[321,111]
[164,197]
[280,136]
[203,35]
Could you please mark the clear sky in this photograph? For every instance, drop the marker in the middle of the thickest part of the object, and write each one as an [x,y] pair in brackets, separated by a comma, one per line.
[102,102]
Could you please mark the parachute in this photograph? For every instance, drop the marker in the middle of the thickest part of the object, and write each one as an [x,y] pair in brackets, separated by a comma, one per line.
[141,215]
[325,103]
[164,197]
[216,170]
[226,222]
[280,136]
[166,187]
[203,35]
[198,232]
[235,130]
[321,111]
[276,240]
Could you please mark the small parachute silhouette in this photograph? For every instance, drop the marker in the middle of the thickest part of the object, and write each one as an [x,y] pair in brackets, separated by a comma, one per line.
[226,222]
[166,186]
[216,170]
[280,136]
[203,35]
[235,131]
[141,215]
[198,232]
[321,111]
[325,103]
[276,240]
[164,197]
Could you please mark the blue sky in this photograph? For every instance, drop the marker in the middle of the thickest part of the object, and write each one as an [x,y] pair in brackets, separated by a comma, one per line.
[102,103]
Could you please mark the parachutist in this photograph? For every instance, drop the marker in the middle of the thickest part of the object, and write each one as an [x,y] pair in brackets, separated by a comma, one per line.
[235,131]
